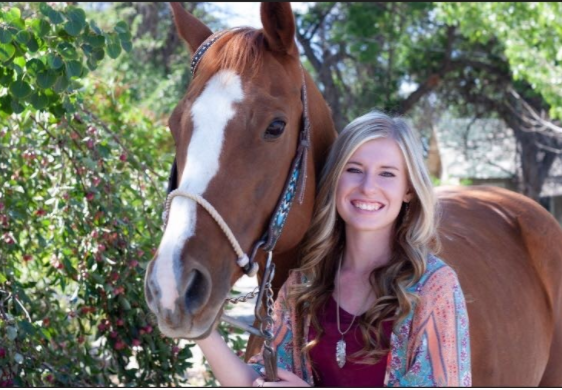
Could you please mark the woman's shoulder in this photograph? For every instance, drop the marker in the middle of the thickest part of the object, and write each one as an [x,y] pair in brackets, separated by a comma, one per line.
[437,272]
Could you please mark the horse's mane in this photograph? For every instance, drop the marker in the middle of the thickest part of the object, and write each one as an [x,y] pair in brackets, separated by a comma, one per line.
[240,50]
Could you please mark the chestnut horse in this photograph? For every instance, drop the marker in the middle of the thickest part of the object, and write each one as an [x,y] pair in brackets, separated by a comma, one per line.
[236,132]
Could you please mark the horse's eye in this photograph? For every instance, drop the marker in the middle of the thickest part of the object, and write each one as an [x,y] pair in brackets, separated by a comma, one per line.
[274,130]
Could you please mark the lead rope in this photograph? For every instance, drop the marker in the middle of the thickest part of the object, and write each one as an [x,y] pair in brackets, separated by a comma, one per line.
[243,259]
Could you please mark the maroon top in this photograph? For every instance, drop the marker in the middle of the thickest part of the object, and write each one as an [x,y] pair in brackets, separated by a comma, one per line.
[326,370]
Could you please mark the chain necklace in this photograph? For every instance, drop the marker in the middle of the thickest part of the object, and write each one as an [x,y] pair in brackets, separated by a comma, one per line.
[341,346]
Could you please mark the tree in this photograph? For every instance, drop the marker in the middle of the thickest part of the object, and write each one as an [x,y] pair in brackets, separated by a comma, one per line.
[365,54]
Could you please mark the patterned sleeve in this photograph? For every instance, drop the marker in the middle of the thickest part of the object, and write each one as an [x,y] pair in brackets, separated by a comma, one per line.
[439,346]
[283,335]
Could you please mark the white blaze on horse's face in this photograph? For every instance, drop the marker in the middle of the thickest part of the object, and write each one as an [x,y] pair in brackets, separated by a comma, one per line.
[210,112]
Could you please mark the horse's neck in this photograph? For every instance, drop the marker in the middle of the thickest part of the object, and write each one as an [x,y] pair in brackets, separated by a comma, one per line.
[323,131]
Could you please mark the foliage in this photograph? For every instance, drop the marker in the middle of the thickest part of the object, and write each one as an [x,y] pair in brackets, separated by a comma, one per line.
[530,33]
[79,210]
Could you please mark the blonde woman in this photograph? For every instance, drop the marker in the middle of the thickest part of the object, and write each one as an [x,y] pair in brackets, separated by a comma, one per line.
[370,304]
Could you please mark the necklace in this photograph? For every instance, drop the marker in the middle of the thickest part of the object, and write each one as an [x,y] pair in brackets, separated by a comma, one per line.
[341,346]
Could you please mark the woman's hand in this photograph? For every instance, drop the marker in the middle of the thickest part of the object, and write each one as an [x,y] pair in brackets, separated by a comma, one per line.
[286,379]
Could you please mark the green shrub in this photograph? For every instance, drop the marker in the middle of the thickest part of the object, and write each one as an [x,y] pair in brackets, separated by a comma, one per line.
[80,206]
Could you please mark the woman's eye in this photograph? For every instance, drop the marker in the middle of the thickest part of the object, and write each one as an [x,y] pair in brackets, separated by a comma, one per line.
[275,129]
[353,170]
[388,174]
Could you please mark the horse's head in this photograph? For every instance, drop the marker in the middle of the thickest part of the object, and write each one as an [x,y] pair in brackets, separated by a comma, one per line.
[236,132]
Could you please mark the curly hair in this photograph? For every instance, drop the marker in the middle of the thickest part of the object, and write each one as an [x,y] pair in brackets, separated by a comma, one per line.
[415,236]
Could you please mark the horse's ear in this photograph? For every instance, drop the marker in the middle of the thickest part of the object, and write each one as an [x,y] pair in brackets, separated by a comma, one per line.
[191,29]
[279,27]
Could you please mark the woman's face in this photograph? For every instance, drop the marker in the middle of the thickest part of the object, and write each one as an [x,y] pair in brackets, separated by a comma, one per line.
[372,187]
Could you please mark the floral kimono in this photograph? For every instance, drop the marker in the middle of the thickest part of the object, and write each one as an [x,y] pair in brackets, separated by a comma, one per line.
[430,347]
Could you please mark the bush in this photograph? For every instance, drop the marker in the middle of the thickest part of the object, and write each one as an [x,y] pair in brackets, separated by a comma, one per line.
[80,208]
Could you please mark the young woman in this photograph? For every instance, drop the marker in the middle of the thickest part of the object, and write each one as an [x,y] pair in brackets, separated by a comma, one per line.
[370,305]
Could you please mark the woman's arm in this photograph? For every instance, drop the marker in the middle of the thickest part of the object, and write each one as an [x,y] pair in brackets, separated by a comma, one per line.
[438,352]
[228,368]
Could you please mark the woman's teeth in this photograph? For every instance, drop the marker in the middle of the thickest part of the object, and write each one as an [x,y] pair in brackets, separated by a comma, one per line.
[367,206]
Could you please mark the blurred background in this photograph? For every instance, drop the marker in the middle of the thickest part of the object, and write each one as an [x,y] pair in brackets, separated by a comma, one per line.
[85,93]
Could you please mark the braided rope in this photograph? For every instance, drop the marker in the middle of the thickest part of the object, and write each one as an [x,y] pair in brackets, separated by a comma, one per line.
[243,259]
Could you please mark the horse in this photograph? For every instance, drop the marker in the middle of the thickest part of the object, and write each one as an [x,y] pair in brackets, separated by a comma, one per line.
[236,132]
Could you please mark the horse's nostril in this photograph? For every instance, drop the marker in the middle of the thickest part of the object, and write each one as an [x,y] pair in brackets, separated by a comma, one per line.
[197,292]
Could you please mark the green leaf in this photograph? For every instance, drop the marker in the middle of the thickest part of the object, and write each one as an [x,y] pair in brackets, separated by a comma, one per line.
[73,28]
[41,27]
[55,17]
[69,107]
[92,63]
[95,40]
[95,27]
[121,27]
[54,61]
[98,54]
[5,35]
[34,66]
[39,101]
[113,47]
[73,69]
[12,15]
[20,89]
[76,15]
[67,51]
[7,50]
[124,303]
[6,104]
[20,62]
[23,37]
[16,106]
[11,332]
[127,46]
[32,44]
[27,327]
[46,79]
[61,83]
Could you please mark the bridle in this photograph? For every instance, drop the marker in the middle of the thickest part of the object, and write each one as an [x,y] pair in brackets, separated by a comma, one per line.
[296,182]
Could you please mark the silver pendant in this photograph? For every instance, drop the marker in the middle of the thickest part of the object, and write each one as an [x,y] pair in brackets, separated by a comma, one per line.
[340,353]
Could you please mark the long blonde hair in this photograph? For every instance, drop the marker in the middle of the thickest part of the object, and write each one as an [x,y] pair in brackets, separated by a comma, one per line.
[324,242]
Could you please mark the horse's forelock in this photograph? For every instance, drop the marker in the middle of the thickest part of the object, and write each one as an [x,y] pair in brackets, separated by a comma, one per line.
[239,50]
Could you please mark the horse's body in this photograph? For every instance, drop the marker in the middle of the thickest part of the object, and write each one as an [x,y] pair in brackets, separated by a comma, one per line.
[506,249]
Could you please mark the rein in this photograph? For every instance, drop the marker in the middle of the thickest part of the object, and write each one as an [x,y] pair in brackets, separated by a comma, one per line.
[296,181]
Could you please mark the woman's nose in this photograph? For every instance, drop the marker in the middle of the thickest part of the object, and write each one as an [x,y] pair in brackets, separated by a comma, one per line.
[369,184]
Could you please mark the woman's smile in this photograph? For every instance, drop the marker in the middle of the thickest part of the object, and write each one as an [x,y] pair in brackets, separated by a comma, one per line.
[368,206]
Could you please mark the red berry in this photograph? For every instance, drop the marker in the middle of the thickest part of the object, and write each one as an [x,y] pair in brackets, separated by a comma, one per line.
[123,157]
[148,329]
[119,345]
[175,349]
[113,334]
[136,343]
[50,378]
[2,353]
[27,258]
[90,196]
[119,322]
[133,263]
[46,322]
